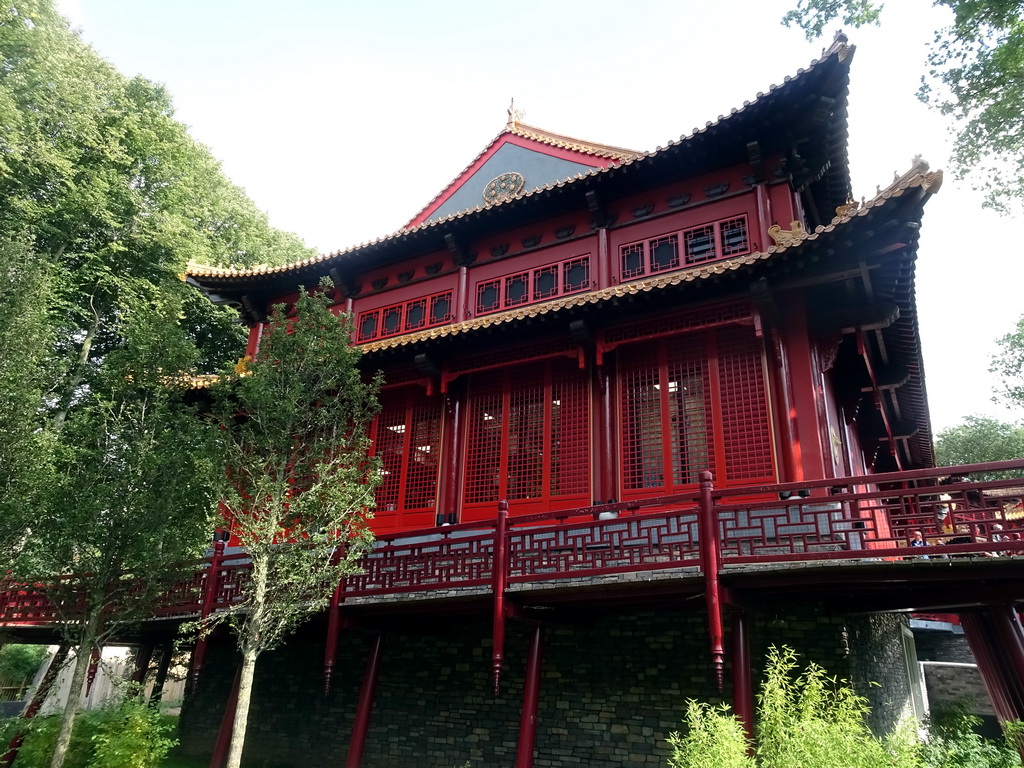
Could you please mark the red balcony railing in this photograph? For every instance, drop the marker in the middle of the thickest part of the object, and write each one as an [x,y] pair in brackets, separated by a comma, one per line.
[850,518]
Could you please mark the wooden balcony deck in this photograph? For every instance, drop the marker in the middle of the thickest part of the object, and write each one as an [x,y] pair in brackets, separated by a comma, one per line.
[842,540]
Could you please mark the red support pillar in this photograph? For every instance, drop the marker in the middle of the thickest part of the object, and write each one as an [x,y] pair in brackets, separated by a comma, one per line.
[365,707]
[709,558]
[209,593]
[531,698]
[161,675]
[499,577]
[980,639]
[333,628]
[1009,645]
[35,705]
[143,656]
[742,692]
[94,666]
[227,723]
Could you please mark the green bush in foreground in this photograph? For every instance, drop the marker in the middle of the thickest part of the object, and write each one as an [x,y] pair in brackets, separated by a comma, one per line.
[131,735]
[808,720]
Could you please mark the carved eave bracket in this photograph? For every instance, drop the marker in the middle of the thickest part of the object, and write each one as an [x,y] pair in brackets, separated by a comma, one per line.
[459,253]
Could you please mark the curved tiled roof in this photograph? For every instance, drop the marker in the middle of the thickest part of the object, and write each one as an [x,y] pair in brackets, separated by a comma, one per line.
[840,49]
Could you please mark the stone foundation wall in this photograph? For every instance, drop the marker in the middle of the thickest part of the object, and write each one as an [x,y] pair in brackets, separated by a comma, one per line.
[611,692]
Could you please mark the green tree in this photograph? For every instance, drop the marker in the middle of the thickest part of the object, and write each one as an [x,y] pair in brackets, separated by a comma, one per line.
[132,500]
[24,339]
[20,662]
[974,75]
[979,439]
[300,482]
[1008,365]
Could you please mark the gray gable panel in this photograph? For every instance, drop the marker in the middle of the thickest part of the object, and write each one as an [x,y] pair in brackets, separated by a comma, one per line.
[537,168]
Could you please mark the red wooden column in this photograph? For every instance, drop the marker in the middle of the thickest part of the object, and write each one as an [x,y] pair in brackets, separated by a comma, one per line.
[209,593]
[742,691]
[531,699]
[365,707]
[333,627]
[1009,644]
[498,582]
[35,705]
[166,651]
[998,676]
[450,480]
[143,656]
[227,722]
[94,667]
[709,558]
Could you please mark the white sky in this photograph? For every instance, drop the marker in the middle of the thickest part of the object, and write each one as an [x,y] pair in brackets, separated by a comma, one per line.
[342,119]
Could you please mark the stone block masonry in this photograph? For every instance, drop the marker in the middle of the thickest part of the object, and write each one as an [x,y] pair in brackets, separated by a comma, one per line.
[613,688]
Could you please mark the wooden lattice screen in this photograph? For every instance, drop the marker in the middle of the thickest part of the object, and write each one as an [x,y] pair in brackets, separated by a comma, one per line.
[528,439]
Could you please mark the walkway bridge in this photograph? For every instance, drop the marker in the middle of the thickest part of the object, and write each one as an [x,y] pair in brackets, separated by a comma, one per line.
[844,542]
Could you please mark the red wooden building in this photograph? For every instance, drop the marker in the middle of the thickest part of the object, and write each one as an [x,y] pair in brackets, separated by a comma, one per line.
[680,368]
[568,323]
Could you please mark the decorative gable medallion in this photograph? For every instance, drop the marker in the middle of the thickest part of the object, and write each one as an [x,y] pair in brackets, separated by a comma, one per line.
[503,187]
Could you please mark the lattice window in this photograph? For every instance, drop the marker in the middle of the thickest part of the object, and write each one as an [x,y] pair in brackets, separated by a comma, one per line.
[416,314]
[700,244]
[664,253]
[488,296]
[692,402]
[528,438]
[734,236]
[368,325]
[517,289]
[545,283]
[746,433]
[405,317]
[538,284]
[633,262]
[407,439]
[441,308]
[392,321]
[576,275]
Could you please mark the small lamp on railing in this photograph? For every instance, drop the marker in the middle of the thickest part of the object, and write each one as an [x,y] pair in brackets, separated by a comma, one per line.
[220,534]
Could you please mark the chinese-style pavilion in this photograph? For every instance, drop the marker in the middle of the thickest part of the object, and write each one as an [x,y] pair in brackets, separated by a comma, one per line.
[637,406]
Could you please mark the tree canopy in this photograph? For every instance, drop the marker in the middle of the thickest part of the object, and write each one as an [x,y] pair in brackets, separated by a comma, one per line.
[974,75]
[977,440]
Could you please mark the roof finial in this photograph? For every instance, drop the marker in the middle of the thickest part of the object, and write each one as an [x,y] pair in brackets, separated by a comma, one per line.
[514,115]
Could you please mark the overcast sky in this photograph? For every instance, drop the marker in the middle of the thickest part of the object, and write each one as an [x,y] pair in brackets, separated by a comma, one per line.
[342,119]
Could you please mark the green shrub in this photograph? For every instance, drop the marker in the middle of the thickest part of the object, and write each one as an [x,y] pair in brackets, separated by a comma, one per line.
[811,720]
[127,736]
[714,739]
[808,720]
[953,743]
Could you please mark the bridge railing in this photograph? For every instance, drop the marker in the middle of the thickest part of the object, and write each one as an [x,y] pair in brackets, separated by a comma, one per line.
[852,518]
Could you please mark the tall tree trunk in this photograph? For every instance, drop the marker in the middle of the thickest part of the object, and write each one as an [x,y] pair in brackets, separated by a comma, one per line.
[82,657]
[242,709]
[78,373]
